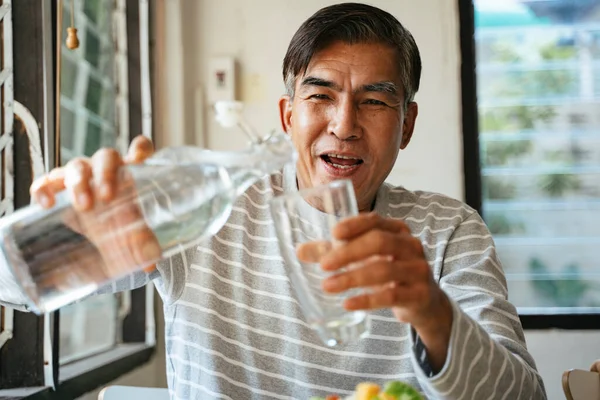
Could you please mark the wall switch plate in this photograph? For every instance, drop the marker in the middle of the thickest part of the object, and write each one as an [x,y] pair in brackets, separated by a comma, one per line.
[221,79]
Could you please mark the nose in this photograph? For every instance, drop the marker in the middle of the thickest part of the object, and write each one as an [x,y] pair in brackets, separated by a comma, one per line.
[344,123]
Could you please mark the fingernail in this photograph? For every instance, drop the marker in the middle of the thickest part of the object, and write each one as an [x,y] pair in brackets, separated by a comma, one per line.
[43,200]
[150,252]
[105,191]
[318,253]
[149,269]
[332,284]
[324,248]
[83,200]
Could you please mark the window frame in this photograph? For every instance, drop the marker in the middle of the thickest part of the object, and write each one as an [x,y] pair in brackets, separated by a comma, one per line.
[29,365]
[472,164]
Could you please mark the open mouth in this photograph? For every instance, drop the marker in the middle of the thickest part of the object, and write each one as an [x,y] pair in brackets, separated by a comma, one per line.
[340,161]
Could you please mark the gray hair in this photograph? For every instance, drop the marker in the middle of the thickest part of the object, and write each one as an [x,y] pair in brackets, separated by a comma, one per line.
[353,23]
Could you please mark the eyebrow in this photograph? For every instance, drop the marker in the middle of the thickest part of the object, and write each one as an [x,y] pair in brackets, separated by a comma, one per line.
[314,81]
[384,87]
[381,87]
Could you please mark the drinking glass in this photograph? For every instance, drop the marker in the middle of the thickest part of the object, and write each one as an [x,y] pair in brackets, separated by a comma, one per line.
[310,215]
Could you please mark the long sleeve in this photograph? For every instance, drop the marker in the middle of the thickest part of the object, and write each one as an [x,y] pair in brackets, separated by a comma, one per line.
[12,296]
[487,356]
[169,276]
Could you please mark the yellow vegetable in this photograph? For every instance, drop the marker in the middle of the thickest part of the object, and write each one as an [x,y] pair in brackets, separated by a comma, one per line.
[366,390]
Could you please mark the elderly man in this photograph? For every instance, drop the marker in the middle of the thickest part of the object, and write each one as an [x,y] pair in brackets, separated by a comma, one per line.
[440,316]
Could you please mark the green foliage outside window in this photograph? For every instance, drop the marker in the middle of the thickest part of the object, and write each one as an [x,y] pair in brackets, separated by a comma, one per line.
[564,289]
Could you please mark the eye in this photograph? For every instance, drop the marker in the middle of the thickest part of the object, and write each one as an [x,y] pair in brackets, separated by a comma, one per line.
[375,102]
[319,96]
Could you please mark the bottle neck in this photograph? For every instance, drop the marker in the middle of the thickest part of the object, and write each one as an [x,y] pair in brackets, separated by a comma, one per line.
[261,159]
[243,167]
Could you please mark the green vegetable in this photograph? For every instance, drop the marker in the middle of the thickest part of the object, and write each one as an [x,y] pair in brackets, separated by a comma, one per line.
[402,391]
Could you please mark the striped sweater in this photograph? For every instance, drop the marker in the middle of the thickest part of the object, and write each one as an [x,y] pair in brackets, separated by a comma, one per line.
[234,329]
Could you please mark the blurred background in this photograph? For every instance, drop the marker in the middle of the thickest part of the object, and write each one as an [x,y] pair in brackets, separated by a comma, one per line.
[509,120]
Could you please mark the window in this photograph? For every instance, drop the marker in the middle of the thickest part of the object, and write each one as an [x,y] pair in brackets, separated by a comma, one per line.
[88,96]
[93,342]
[538,146]
[88,90]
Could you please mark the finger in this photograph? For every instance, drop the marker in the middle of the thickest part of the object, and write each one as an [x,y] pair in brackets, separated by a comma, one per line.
[150,268]
[139,150]
[144,247]
[127,243]
[138,238]
[311,252]
[105,165]
[78,174]
[390,295]
[378,271]
[44,189]
[401,246]
[352,227]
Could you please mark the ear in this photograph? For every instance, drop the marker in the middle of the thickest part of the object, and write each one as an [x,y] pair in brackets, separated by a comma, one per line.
[408,126]
[285,113]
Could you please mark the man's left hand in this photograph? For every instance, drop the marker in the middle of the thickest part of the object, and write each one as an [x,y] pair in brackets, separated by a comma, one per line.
[381,256]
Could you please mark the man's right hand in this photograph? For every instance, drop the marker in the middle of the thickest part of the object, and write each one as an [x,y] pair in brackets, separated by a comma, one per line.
[117,230]
[87,179]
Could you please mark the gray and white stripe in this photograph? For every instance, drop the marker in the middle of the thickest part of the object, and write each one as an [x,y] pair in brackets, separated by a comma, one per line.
[234,329]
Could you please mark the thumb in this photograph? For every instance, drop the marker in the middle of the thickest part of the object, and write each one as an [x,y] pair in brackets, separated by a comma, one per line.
[140,149]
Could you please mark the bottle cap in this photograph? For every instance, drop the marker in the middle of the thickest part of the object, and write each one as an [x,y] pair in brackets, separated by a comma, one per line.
[229,113]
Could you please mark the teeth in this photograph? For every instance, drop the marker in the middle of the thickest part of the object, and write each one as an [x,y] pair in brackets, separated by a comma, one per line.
[343,166]
[343,157]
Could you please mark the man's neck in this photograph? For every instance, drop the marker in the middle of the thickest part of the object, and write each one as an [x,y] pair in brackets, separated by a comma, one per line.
[371,207]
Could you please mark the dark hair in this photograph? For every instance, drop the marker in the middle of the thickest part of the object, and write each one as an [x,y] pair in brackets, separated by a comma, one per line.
[353,23]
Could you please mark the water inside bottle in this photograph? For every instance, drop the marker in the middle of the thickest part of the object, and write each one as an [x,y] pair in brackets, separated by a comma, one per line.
[61,255]
[53,262]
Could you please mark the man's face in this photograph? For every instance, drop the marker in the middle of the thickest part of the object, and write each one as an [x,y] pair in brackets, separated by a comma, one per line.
[347,118]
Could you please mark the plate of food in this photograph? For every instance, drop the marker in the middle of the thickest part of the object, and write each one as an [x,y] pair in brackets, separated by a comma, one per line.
[394,390]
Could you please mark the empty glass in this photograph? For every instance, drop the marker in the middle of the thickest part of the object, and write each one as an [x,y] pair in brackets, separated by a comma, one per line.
[309,216]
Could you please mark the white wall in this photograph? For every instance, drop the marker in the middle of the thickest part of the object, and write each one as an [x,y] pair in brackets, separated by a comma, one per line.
[256,33]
